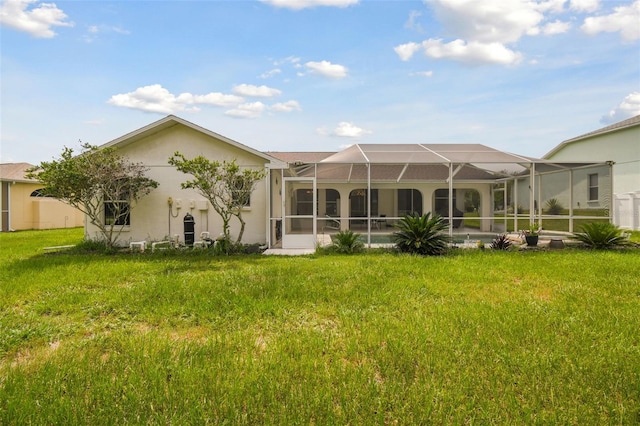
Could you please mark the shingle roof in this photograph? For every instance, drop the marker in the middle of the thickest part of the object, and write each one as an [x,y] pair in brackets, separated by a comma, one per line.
[14,172]
[305,157]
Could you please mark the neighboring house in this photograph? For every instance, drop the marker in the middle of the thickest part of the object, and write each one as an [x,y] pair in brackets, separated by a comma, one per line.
[24,206]
[618,144]
[366,187]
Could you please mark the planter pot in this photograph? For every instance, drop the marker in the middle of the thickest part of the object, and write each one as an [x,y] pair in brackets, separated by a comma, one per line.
[532,240]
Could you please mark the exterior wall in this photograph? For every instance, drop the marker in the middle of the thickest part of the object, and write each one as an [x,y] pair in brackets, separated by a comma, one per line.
[26,212]
[387,198]
[556,185]
[49,213]
[622,147]
[152,219]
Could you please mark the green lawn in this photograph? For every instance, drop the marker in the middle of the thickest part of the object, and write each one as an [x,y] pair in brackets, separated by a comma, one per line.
[540,337]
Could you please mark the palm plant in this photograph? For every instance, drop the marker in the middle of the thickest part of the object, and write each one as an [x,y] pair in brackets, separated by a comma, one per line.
[347,242]
[421,235]
[501,242]
[601,235]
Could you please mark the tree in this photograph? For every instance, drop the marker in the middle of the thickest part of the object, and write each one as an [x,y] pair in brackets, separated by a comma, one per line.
[225,184]
[98,182]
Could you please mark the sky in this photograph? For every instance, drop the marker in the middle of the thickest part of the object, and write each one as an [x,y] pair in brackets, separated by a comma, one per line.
[317,75]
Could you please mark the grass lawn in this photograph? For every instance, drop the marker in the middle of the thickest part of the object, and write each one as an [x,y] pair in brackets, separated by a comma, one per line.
[540,337]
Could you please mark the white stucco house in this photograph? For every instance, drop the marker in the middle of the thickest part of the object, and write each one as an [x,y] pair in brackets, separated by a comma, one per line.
[308,195]
[618,144]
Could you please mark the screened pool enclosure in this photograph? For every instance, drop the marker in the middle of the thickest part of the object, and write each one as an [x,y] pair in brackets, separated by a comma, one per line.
[479,190]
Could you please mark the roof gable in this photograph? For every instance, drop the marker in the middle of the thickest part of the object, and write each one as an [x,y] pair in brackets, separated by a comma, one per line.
[630,122]
[170,121]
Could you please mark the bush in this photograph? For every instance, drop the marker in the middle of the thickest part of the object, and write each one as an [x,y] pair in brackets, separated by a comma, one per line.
[421,235]
[93,247]
[601,235]
[554,206]
[501,242]
[346,242]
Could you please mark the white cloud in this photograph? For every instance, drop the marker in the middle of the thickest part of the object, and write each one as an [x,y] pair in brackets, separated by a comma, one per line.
[93,32]
[624,19]
[423,73]
[36,21]
[411,23]
[584,5]
[472,52]
[327,69]
[288,106]
[270,73]
[303,4]
[556,27]
[489,21]
[255,91]
[347,129]
[486,31]
[629,107]
[406,51]
[155,98]
[248,110]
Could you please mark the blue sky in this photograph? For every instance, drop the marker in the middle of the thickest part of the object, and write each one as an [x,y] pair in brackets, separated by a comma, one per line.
[317,75]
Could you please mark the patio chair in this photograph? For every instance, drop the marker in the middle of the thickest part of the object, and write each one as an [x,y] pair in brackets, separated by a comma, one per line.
[331,223]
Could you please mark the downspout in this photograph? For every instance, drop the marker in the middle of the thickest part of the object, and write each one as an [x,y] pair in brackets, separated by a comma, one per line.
[532,192]
[369,205]
[268,196]
[450,200]
[611,194]
[570,200]
[315,203]
[515,205]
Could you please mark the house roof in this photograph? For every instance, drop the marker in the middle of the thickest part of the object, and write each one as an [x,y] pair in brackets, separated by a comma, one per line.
[423,154]
[170,121]
[630,122]
[15,172]
[303,157]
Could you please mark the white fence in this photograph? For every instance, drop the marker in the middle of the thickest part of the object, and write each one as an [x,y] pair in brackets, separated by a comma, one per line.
[626,212]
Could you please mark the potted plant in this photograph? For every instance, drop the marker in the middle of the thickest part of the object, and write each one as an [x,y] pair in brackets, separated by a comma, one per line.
[531,235]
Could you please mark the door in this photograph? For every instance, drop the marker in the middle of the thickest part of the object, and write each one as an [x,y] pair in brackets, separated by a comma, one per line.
[299,207]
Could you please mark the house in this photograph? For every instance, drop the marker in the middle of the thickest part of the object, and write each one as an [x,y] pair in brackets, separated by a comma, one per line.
[306,196]
[24,206]
[160,215]
[618,144]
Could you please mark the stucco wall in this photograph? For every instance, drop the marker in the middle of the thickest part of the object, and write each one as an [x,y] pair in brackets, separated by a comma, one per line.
[153,220]
[26,212]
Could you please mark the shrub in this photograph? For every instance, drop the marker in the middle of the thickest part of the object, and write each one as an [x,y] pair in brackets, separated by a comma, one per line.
[421,235]
[93,247]
[346,242]
[554,206]
[501,242]
[601,235]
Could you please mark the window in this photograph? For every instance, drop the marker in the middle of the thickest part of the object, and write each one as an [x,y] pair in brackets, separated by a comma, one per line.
[409,202]
[332,199]
[359,203]
[593,187]
[441,202]
[241,196]
[39,193]
[304,202]
[117,213]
